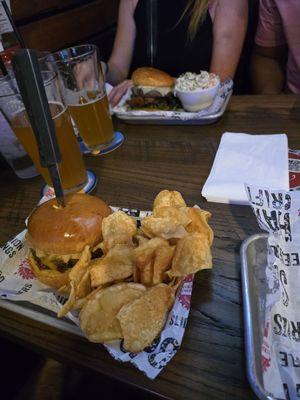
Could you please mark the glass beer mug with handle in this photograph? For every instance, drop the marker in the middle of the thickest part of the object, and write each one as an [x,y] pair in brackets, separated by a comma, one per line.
[85,95]
[72,169]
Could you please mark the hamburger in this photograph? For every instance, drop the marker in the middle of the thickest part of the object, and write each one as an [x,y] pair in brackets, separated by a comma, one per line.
[152,90]
[57,236]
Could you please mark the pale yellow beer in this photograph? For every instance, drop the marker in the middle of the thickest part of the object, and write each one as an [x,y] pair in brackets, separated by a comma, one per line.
[93,121]
[72,170]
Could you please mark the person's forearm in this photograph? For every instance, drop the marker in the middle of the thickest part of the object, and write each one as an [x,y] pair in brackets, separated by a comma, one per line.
[267,75]
[229,29]
[225,70]
[114,74]
[226,54]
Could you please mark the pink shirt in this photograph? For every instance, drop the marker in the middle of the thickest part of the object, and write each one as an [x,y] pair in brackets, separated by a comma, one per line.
[279,24]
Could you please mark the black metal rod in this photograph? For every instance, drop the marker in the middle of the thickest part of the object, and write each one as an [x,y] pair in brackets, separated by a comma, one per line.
[16,30]
[31,85]
[3,67]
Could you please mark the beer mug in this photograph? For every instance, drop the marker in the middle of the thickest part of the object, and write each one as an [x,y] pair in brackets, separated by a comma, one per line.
[72,170]
[14,153]
[84,93]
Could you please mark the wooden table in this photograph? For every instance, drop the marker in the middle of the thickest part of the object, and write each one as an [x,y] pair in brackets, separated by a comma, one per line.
[211,361]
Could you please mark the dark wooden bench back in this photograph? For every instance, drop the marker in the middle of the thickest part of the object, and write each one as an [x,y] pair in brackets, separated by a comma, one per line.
[55,24]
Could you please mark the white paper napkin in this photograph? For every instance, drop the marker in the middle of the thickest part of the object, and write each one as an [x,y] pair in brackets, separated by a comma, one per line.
[260,160]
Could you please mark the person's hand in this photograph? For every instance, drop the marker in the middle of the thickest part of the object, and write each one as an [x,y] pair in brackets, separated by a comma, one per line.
[84,74]
[118,92]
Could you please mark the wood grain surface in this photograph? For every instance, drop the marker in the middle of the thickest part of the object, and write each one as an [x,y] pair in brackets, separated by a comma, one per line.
[211,361]
[53,24]
[23,10]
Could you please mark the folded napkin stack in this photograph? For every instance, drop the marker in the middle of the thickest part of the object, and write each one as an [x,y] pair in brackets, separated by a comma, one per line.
[260,160]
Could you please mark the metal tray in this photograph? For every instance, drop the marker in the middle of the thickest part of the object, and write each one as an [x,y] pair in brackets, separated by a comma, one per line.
[254,261]
[42,315]
[159,120]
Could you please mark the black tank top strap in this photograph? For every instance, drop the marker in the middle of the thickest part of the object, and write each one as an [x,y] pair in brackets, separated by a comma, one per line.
[162,41]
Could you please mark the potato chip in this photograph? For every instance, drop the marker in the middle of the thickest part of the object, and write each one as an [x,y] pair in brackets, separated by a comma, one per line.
[80,302]
[162,262]
[84,287]
[167,198]
[162,227]
[192,254]
[146,274]
[144,253]
[79,282]
[97,317]
[144,258]
[175,283]
[141,239]
[179,215]
[64,289]
[116,265]
[152,260]
[117,228]
[136,274]
[199,223]
[69,303]
[142,320]
[79,269]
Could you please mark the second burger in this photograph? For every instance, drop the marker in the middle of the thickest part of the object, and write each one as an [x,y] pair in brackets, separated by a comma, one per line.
[152,90]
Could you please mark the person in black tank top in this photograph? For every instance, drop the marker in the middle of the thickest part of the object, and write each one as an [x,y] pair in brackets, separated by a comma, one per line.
[157,33]
[174,52]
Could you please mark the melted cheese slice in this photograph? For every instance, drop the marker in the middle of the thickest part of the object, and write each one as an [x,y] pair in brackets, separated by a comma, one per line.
[49,259]
[163,90]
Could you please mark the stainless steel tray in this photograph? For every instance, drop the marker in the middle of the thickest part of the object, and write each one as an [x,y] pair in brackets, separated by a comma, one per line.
[254,261]
[42,315]
[159,120]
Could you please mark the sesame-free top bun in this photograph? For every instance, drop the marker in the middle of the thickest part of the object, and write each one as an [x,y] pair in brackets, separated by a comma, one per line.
[148,76]
[67,230]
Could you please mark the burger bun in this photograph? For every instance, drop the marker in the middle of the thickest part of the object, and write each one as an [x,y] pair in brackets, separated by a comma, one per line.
[67,230]
[148,76]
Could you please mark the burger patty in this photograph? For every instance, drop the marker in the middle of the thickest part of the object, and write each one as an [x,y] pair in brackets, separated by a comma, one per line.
[166,103]
[58,264]
[54,264]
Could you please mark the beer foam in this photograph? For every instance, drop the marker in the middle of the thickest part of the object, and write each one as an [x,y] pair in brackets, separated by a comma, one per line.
[89,102]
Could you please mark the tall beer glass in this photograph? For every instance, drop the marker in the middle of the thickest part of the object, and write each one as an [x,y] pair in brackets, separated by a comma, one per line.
[72,169]
[85,95]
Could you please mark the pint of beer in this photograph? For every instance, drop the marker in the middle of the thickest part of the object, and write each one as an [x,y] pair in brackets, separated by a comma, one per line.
[85,95]
[72,170]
